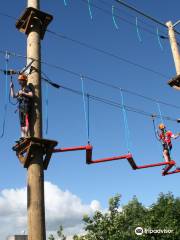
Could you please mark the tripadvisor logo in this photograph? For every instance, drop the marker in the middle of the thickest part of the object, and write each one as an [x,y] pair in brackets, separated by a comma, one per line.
[140,231]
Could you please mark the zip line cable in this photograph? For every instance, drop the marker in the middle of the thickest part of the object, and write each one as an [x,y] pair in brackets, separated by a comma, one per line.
[92,5]
[126,126]
[88,116]
[7,57]
[65,3]
[138,32]
[144,23]
[159,40]
[11,102]
[8,16]
[143,14]
[114,103]
[92,79]
[114,19]
[155,130]
[84,107]
[151,99]
[139,20]
[108,53]
[117,88]
[113,16]
[55,85]
[47,106]
[107,12]
[6,96]
[88,78]
[89,8]
[126,12]
[160,112]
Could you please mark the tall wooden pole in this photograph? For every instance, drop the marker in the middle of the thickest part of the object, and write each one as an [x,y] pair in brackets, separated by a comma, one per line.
[174,46]
[35,189]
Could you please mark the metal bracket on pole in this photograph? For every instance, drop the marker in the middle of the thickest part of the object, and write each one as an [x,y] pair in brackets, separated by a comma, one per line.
[27,69]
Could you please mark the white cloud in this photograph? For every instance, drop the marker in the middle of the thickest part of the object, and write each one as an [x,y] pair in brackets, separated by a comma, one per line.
[95,205]
[62,207]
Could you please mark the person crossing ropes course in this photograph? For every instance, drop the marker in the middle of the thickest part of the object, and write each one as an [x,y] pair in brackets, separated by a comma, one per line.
[24,97]
[165,137]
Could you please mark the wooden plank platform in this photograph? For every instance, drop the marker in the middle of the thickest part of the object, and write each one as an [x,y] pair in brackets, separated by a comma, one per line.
[175,82]
[25,150]
[26,21]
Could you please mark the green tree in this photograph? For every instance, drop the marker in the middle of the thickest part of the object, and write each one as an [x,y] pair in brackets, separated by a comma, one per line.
[165,214]
[120,223]
[51,237]
[60,234]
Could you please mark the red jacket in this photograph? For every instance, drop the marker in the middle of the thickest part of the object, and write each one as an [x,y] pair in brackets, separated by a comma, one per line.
[166,137]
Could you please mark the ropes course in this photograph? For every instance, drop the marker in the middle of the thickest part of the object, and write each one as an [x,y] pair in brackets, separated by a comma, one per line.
[144,25]
[110,54]
[86,96]
[129,157]
[88,78]
[107,101]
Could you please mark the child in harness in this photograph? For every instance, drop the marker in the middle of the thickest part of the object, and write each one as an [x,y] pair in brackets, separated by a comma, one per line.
[165,138]
[24,97]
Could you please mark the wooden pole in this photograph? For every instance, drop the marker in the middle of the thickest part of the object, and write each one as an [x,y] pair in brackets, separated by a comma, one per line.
[174,46]
[35,186]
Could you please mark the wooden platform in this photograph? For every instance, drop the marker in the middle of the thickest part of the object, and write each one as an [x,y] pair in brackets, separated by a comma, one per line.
[175,82]
[25,150]
[30,17]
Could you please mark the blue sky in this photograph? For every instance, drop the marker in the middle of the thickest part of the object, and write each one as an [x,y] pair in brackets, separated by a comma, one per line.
[66,119]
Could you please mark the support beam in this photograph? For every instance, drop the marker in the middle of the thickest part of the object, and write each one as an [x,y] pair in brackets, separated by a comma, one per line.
[172,163]
[172,172]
